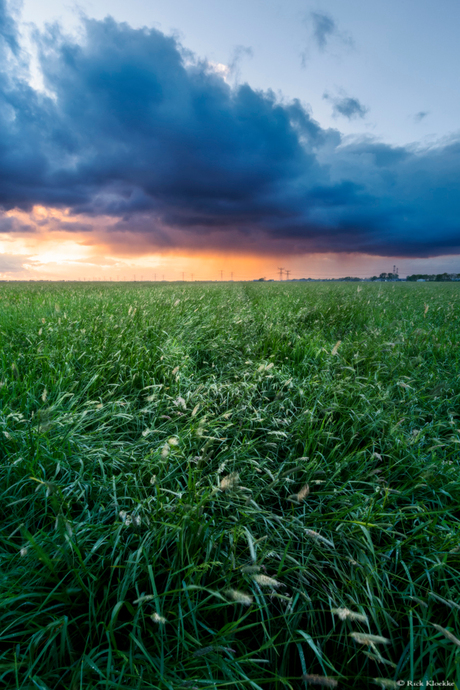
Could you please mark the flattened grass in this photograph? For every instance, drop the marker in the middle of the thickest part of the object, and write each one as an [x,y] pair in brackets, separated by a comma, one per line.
[201,487]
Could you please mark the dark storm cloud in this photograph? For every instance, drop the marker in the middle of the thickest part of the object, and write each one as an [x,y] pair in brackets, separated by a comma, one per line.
[10,225]
[137,128]
[351,108]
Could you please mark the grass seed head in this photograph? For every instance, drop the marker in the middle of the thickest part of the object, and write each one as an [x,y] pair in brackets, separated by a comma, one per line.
[303,493]
[344,613]
[367,638]
[165,451]
[386,683]
[301,496]
[250,569]
[173,441]
[141,600]
[239,597]
[315,535]
[447,634]
[325,681]
[231,481]
[265,581]
[336,347]
[158,619]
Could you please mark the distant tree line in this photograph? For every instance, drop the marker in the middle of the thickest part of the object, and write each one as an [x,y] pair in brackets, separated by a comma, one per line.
[438,277]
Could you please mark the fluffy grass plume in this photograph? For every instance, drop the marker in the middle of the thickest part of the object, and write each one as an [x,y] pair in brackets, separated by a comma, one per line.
[345,614]
[325,681]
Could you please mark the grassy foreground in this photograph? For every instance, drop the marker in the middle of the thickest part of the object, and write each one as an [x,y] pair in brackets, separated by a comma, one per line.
[201,487]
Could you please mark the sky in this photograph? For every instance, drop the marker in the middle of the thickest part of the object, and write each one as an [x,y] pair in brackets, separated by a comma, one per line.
[199,140]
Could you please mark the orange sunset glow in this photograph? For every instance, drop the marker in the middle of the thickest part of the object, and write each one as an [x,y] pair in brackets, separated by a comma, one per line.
[49,244]
[47,252]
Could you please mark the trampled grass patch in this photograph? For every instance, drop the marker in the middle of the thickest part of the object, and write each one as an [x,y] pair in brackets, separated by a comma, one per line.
[229,485]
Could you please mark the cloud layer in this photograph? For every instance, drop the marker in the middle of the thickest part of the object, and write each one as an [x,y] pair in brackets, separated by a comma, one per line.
[135,128]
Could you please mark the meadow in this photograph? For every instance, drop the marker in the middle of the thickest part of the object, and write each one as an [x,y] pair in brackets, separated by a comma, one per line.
[213,486]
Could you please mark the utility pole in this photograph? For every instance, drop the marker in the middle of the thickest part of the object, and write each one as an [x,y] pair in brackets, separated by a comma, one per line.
[163,277]
[287,274]
[192,276]
[142,278]
[231,276]
[183,275]
[154,276]
[280,271]
[221,275]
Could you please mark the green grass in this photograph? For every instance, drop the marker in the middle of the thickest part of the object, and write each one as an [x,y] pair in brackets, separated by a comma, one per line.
[125,412]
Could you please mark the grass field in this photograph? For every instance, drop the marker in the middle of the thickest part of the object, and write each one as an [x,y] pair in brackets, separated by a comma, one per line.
[229,485]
